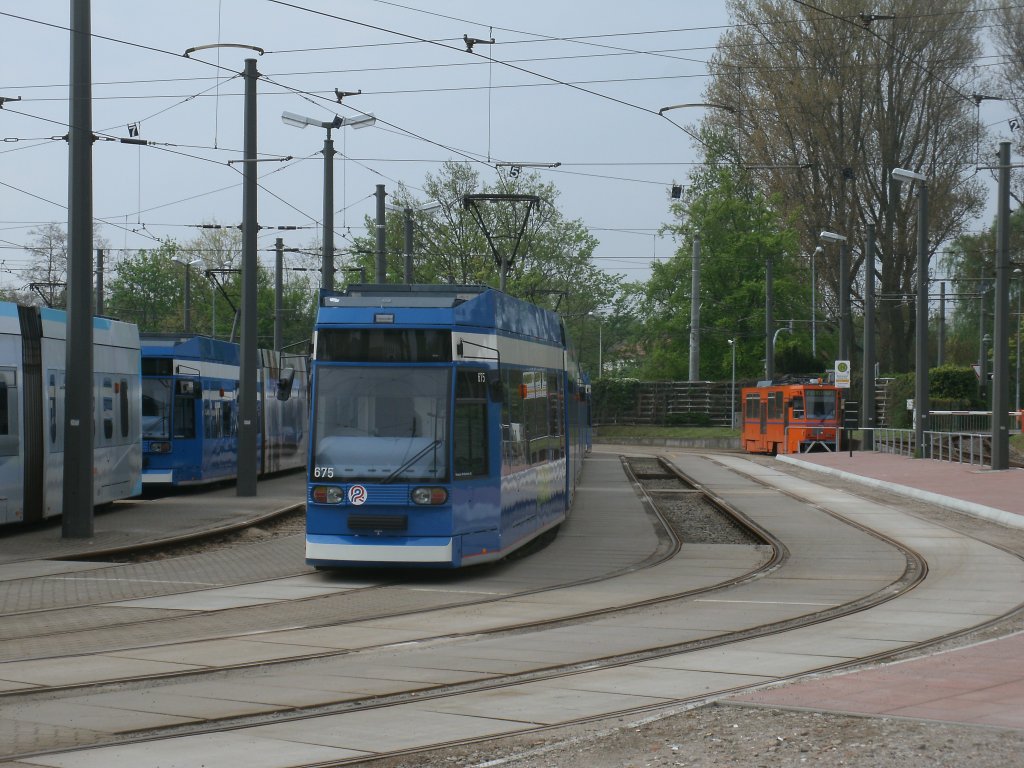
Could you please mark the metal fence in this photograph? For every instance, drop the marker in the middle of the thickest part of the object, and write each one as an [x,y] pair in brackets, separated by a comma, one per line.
[961,447]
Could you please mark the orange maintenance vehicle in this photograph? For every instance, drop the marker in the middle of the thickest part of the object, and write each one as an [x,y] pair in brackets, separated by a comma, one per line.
[791,418]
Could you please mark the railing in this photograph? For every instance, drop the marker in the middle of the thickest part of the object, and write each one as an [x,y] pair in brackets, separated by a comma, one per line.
[961,447]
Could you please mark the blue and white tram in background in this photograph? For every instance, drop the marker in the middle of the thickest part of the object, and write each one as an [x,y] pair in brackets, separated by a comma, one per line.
[449,426]
[32,383]
[190,410]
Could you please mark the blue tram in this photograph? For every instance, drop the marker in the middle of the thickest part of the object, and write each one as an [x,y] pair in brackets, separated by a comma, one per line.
[32,384]
[190,410]
[449,426]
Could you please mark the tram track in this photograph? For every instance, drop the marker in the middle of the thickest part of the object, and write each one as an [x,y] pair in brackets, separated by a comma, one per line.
[910,576]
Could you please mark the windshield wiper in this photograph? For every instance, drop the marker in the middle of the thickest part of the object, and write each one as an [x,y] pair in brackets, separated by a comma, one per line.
[419,455]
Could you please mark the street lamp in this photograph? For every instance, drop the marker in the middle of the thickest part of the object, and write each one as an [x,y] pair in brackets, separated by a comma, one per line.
[188,290]
[732,387]
[844,293]
[407,212]
[1020,289]
[921,406]
[300,121]
[600,343]
[814,311]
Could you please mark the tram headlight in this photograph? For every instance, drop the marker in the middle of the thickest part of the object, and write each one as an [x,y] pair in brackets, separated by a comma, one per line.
[429,496]
[327,494]
[160,446]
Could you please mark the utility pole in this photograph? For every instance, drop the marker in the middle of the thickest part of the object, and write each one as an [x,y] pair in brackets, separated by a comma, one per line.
[1001,334]
[868,379]
[77,503]
[247,395]
[381,232]
[278,291]
[695,312]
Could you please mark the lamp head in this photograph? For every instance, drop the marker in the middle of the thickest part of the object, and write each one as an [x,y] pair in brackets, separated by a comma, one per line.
[297,121]
[904,175]
[832,237]
[818,250]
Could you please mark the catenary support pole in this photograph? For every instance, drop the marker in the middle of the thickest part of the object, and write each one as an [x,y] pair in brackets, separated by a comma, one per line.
[940,357]
[381,239]
[695,311]
[407,223]
[868,385]
[99,281]
[1001,329]
[769,319]
[327,262]
[77,511]
[247,406]
[278,292]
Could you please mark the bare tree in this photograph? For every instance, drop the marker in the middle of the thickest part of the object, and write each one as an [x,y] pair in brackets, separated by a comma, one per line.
[1008,36]
[825,103]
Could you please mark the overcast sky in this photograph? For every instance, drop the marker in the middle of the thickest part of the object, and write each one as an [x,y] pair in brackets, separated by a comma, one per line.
[434,102]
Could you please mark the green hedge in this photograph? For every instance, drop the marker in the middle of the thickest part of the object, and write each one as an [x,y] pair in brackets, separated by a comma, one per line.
[950,389]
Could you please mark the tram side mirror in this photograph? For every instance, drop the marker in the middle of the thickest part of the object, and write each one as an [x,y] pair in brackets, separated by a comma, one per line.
[494,388]
[284,383]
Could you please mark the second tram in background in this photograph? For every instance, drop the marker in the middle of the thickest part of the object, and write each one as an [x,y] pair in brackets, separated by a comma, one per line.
[791,418]
[32,386]
[190,410]
[449,426]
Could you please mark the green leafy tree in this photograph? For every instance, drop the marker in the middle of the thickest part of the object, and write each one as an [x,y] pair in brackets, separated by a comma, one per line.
[147,289]
[740,230]
[825,106]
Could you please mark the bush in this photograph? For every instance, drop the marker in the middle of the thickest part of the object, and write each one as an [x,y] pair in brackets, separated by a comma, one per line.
[953,383]
[950,388]
[612,399]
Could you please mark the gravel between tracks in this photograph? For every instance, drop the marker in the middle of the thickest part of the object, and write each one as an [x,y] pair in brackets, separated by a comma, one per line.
[739,736]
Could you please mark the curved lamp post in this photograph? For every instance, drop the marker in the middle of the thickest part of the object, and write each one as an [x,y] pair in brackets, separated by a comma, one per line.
[921,405]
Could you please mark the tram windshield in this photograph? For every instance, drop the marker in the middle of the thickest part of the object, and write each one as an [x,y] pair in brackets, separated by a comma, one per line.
[821,404]
[381,424]
[156,408]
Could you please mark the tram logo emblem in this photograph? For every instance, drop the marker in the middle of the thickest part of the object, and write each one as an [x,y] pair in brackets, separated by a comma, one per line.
[357,495]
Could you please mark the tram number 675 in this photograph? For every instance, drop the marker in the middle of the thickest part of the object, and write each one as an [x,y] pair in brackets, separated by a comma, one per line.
[324,472]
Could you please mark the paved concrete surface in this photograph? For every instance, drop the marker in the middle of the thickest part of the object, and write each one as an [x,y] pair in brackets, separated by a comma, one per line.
[981,684]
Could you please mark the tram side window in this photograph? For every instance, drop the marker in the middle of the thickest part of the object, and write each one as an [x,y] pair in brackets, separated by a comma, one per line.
[514,444]
[8,412]
[125,416]
[753,406]
[470,433]
[798,407]
[556,400]
[184,416]
[107,401]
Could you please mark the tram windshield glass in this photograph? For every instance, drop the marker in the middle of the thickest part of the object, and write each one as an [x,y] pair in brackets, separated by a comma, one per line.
[156,408]
[821,404]
[381,424]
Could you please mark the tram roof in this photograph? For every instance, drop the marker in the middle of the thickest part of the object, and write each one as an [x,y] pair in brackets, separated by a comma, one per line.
[190,348]
[440,305]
